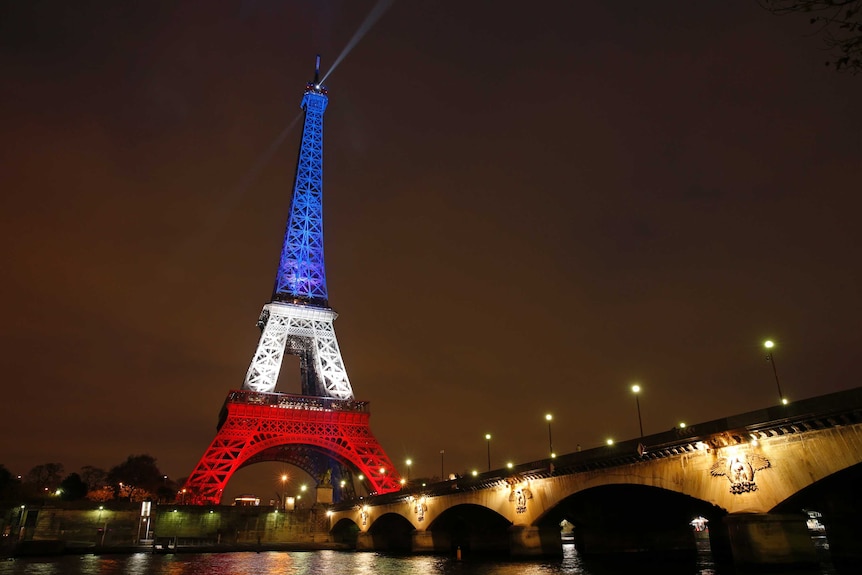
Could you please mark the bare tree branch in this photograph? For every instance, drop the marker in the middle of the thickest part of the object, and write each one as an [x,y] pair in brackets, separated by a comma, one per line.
[839,23]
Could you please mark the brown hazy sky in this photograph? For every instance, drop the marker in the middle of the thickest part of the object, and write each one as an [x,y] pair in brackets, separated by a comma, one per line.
[528,206]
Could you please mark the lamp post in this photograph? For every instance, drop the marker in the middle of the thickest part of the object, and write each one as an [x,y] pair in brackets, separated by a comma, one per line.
[636,389]
[488,441]
[442,451]
[549,417]
[409,462]
[770,357]
[283,494]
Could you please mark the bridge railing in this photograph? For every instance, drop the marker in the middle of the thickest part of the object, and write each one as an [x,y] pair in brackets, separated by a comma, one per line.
[841,408]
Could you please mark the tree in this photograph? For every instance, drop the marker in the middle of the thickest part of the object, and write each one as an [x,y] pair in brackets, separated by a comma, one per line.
[8,483]
[72,488]
[45,477]
[839,22]
[136,478]
[94,477]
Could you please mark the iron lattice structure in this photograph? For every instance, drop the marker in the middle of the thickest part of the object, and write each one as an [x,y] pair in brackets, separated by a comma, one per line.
[323,429]
[301,271]
[309,432]
[304,331]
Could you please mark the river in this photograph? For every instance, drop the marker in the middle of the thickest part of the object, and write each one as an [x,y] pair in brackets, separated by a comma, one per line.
[345,563]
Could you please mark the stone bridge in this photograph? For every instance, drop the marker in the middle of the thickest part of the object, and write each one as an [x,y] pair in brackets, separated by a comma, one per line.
[753,477]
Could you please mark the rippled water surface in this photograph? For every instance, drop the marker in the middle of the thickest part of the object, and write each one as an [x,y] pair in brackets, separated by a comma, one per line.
[335,563]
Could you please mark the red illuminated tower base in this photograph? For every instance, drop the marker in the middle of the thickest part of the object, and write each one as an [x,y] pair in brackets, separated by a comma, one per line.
[266,426]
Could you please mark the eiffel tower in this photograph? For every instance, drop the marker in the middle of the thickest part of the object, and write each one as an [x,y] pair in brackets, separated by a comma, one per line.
[324,431]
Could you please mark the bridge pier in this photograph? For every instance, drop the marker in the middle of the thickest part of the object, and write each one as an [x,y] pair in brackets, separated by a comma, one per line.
[624,539]
[770,540]
[530,541]
[844,534]
[364,541]
[430,542]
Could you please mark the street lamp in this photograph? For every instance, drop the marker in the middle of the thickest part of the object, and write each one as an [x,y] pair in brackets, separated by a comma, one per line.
[549,417]
[488,440]
[442,451]
[283,493]
[409,462]
[770,357]
[636,389]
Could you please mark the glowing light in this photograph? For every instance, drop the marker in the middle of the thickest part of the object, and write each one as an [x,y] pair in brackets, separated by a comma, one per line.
[361,477]
[636,388]
[510,465]
[610,441]
[768,344]
[682,425]
[375,14]
[549,417]
[784,401]
[488,436]
[303,488]
[382,470]
[403,481]
[699,523]
[475,473]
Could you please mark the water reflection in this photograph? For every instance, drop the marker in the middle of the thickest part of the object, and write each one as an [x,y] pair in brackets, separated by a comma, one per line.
[352,563]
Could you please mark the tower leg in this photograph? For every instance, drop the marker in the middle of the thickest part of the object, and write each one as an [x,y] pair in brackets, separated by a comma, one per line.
[255,425]
[304,331]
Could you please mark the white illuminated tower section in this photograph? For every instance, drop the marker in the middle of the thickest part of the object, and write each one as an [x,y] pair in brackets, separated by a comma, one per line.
[298,320]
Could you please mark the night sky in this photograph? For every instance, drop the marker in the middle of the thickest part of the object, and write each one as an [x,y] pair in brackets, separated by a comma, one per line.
[528,207]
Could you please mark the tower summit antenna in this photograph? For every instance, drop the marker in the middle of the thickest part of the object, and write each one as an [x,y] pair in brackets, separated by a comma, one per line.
[317,71]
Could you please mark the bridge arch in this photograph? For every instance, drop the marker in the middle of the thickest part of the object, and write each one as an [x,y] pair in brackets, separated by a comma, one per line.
[835,502]
[471,527]
[626,517]
[344,531]
[390,532]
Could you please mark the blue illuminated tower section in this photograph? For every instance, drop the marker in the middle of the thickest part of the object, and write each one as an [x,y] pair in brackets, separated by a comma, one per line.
[298,320]
[301,274]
